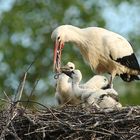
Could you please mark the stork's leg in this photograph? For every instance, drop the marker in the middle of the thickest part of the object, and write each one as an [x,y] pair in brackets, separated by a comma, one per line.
[110,82]
[111,79]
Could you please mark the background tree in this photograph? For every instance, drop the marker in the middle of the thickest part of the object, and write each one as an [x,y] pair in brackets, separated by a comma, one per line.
[26,28]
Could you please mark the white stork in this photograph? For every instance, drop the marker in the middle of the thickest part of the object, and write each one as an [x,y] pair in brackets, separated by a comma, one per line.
[99,97]
[105,51]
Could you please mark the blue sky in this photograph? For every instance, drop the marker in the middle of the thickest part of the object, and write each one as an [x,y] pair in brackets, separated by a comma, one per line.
[6,5]
[122,19]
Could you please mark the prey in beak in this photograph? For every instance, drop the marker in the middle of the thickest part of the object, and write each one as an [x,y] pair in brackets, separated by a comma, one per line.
[57,56]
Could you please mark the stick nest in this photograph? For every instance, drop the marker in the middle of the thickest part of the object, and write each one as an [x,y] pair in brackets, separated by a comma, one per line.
[70,123]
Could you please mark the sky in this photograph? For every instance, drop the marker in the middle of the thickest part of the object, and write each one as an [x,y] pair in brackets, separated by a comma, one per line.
[123,19]
[6,5]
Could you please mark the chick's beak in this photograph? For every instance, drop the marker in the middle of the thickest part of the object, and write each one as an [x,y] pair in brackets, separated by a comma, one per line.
[68,73]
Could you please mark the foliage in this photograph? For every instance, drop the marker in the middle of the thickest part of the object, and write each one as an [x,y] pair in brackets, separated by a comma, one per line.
[25,36]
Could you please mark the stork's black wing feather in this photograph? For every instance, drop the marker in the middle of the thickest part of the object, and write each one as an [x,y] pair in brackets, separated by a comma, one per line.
[129,78]
[129,61]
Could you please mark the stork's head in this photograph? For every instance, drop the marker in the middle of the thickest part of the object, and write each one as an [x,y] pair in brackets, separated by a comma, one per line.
[64,33]
[101,82]
[60,35]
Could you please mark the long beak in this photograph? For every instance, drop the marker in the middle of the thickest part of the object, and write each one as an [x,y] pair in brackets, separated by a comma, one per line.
[57,56]
[68,73]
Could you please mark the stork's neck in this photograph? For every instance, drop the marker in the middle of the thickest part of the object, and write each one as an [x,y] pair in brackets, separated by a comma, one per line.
[75,35]
[80,37]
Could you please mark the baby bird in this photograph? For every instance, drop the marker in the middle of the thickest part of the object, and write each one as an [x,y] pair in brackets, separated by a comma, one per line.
[95,83]
[100,97]
[64,93]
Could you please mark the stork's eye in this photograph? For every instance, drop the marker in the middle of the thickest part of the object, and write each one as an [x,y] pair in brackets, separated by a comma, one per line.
[58,38]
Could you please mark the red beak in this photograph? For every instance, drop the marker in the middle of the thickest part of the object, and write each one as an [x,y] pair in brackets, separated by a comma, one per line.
[57,56]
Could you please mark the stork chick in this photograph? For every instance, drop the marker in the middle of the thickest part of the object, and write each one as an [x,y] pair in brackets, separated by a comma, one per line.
[105,51]
[94,83]
[64,93]
[99,97]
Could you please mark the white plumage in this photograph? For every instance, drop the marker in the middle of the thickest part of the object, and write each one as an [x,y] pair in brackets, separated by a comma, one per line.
[99,97]
[105,51]
[96,82]
[64,93]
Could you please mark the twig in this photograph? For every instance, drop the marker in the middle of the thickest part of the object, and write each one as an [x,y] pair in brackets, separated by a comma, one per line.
[42,106]
[9,121]
[134,137]
[7,96]
[22,83]
[31,93]
[4,100]
[22,87]
[14,134]
[111,132]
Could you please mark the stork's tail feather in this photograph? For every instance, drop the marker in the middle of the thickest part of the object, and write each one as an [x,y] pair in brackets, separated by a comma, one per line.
[129,78]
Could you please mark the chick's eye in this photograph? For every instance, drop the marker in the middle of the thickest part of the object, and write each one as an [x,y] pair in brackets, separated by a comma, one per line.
[105,79]
[71,67]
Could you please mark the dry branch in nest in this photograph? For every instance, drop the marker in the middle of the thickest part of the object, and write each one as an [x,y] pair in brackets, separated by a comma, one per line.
[70,123]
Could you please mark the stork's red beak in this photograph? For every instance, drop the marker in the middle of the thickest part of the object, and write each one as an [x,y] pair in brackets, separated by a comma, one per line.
[57,55]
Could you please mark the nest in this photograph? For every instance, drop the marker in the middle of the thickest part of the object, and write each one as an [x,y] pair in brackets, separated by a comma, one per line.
[70,123]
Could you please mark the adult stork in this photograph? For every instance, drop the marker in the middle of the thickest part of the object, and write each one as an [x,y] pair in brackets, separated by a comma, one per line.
[105,51]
